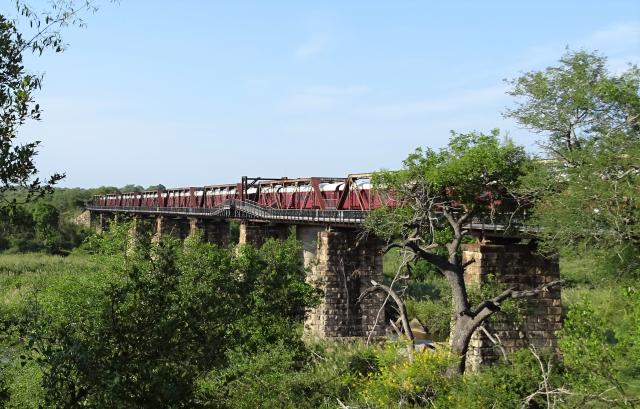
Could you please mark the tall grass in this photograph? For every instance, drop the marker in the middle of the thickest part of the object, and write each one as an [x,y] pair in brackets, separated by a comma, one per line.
[22,275]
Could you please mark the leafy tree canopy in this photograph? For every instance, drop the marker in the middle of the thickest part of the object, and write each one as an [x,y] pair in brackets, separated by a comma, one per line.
[577,104]
[588,194]
[473,175]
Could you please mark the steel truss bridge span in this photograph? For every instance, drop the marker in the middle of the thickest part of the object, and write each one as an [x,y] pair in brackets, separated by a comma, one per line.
[245,210]
[316,200]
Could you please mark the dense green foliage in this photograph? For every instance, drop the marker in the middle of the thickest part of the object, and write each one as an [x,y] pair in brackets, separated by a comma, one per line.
[471,175]
[284,374]
[47,224]
[155,317]
[588,193]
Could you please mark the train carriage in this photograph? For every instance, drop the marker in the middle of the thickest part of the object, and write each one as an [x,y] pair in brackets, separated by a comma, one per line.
[351,193]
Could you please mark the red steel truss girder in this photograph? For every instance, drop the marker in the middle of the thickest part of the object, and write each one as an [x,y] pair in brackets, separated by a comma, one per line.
[351,193]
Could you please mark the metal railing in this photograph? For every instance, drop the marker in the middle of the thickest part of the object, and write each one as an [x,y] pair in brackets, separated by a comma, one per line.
[236,209]
[249,210]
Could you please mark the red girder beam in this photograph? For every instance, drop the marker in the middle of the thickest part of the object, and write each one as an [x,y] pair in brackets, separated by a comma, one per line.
[345,194]
[315,185]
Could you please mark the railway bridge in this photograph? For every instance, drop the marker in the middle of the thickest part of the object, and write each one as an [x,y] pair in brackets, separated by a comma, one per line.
[327,215]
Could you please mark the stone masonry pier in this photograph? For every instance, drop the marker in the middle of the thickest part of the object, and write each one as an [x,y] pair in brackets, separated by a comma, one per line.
[517,266]
[257,233]
[339,262]
[342,265]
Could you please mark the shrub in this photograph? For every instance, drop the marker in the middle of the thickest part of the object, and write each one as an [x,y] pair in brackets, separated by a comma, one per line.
[161,315]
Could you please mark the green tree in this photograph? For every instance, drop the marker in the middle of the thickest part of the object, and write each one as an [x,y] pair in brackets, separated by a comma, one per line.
[46,217]
[167,315]
[587,195]
[577,105]
[18,86]
[17,167]
[47,226]
[439,192]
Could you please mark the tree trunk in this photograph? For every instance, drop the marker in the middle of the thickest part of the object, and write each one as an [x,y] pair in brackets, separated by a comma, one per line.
[460,337]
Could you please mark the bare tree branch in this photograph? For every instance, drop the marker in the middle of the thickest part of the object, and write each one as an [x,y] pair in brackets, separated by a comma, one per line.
[489,307]
[401,306]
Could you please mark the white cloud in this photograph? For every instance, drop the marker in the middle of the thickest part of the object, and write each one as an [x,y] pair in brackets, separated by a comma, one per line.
[459,102]
[319,99]
[313,46]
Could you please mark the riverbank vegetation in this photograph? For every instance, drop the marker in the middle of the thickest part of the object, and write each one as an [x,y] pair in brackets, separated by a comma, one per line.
[103,321]
[108,330]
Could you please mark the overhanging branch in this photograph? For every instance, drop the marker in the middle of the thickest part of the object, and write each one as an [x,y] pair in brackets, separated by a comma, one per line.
[488,307]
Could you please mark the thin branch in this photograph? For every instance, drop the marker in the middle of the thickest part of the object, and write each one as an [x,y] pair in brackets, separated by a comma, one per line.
[381,309]
[496,341]
[401,306]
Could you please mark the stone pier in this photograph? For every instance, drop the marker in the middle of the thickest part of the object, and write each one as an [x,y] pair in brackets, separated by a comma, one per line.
[342,266]
[95,221]
[258,233]
[99,222]
[170,226]
[213,231]
[514,265]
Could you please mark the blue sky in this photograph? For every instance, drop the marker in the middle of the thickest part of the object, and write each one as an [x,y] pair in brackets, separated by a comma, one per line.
[187,93]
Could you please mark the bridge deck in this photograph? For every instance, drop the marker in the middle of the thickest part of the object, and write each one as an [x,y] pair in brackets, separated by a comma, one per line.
[248,210]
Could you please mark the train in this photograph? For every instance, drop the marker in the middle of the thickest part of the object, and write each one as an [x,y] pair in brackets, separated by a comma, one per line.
[354,192]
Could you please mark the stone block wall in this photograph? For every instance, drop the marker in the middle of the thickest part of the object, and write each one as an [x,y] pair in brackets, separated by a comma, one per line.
[83,219]
[95,221]
[514,265]
[168,226]
[214,231]
[258,233]
[342,266]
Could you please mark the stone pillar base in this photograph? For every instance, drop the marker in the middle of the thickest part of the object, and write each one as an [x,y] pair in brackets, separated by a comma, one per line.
[168,226]
[342,267]
[514,265]
[213,231]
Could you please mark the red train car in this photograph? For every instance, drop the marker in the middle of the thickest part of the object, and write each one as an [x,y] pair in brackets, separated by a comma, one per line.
[354,192]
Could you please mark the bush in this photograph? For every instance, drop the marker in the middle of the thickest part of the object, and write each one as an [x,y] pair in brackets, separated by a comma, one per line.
[161,315]
[504,385]
[403,383]
[597,350]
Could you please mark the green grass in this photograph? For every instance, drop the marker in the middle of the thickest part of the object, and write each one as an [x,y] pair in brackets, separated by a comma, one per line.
[23,277]
[25,274]
[61,285]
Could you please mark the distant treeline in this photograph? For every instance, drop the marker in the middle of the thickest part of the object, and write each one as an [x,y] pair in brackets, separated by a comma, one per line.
[48,224]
